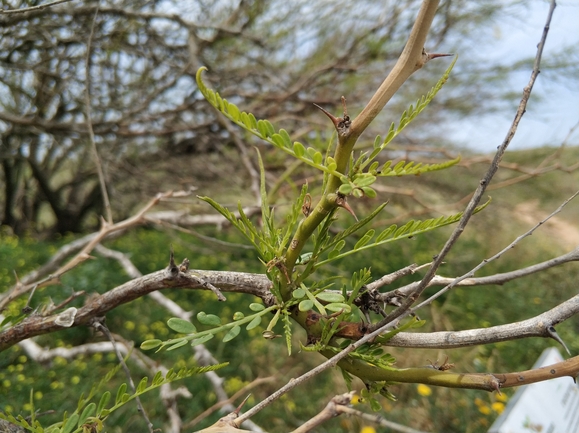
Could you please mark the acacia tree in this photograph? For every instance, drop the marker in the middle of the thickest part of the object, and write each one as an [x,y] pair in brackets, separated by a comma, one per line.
[347,324]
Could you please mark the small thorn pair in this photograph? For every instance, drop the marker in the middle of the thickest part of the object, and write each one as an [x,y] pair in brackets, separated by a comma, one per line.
[342,124]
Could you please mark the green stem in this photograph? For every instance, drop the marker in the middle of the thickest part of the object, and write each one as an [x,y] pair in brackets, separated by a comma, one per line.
[425,375]
[221,328]
[306,229]
[411,59]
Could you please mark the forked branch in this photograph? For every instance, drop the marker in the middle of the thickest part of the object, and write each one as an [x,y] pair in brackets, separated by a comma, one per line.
[484,182]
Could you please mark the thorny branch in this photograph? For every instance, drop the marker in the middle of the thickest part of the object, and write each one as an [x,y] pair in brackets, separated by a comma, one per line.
[258,285]
[477,196]
[253,284]
[538,326]
[496,279]
[82,255]
[496,256]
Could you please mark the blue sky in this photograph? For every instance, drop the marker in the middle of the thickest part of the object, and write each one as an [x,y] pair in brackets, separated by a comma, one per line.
[549,120]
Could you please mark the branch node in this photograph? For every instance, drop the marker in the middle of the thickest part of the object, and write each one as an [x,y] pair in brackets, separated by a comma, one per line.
[495,384]
[66,318]
[342,124]
[341,202]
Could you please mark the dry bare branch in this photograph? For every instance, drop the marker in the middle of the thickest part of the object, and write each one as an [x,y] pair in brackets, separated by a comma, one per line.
[485,181]
[82,255]
[376,419]
[32,8]
[87,87]
[538,326]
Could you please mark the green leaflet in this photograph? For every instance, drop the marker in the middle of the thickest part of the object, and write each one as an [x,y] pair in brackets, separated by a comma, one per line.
[292,220]
[181,326]
[208,319]
[287,328]
[336,244]
[408,116]
[404,168]
[414,110]
[245,226]
[231,334]
[231,329]
[264,129]
[394,233]
[266,212]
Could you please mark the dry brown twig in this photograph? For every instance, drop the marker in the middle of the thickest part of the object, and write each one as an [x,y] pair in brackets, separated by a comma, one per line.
[375,419]
[202,354]
[32,8]
[91,242]
[512,245]
[87,101]
[483,184]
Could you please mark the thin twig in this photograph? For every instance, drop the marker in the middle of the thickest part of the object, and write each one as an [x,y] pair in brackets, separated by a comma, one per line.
[87,102]
[376,419]
[331,362]
[209,286]
[103,328]
[329,412]
[496,279]
[32,8]
[243,391]
[90,243]
[477,196]
[390,278]
[512,245]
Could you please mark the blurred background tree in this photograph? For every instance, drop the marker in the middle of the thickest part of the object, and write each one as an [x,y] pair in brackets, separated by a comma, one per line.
[152,127]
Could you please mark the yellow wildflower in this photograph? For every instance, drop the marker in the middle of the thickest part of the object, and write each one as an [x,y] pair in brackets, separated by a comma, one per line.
[423,390]
[498,407]
[484,409]
[502,397]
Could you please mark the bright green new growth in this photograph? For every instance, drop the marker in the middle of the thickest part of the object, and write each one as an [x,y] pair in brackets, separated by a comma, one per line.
[281,246]
[272,243]
[357,179]
[194,338]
